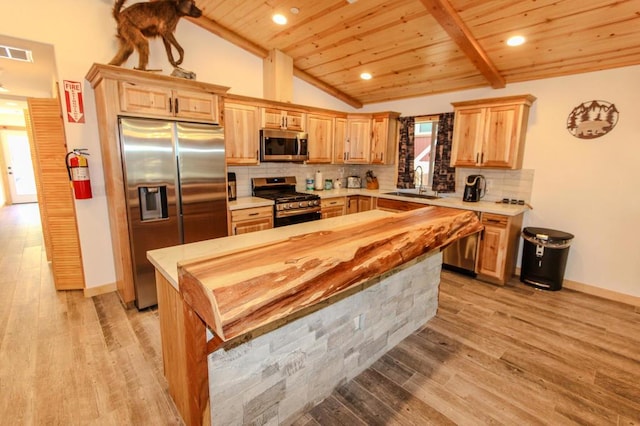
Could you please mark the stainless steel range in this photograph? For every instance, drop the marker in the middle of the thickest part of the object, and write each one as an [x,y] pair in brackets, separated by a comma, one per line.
[290,206]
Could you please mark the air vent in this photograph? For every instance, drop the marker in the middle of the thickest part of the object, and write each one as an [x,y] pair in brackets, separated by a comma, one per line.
[16,54]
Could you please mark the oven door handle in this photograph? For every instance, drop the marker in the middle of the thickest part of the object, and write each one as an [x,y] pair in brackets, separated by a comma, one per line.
[296,212]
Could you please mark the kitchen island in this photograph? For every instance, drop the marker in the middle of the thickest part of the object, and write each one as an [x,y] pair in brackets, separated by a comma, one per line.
[262,326]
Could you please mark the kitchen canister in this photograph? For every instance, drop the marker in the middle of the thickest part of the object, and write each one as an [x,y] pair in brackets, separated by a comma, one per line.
[328,184]
[319,182]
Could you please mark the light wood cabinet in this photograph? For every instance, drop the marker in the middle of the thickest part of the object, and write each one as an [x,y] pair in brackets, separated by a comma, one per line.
[397,205]
[251,220]
[358,203]
[149,100]
[384,138]
[498,249]
[120,90]
[358,142]
[490,132]
[275,118]
[339,140]
[320,138]
[333,207]
[242,134]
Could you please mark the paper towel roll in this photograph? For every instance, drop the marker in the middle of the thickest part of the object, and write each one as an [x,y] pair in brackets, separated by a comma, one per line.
[319,183]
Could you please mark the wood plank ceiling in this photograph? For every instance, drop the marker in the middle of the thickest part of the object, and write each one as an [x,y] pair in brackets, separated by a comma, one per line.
[422,47]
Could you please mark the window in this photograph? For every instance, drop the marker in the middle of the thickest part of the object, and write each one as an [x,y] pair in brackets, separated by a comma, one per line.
[426,130]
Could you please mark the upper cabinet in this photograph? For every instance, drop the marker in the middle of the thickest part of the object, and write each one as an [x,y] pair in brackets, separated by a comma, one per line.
[490,132]
[358,139]
[242,133]
[384,138]
[366,138]
[275,118]
[156,101]
[320,131]
[339,139]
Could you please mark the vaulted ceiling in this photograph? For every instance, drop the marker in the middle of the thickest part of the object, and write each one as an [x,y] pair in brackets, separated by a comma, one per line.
[421,47]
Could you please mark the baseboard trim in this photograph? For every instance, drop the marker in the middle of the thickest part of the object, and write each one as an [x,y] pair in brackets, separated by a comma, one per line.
[101,289]
[598,291]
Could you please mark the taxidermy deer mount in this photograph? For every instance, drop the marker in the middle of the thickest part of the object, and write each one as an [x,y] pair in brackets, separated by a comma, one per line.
[141,21]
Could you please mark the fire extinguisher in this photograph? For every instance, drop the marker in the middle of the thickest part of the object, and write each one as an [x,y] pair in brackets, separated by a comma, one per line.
[78,170]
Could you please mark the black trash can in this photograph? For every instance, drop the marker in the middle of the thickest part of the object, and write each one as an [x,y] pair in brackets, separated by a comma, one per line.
[544,257]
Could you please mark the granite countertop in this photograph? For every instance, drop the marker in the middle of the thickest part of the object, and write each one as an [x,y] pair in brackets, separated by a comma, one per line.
[456,203]
[249,203]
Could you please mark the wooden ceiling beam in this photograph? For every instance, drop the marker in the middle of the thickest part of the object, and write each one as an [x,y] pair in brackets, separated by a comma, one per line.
[232,37]
[451,22]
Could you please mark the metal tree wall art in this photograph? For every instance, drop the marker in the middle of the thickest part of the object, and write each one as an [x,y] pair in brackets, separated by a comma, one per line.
[592,119]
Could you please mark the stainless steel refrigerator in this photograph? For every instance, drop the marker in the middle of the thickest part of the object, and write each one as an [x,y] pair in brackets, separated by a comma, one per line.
[176,190]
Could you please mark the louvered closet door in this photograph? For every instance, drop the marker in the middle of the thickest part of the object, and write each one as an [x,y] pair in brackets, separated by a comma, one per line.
[56,195]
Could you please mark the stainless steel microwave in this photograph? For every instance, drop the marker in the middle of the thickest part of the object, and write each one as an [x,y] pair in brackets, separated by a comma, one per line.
[283,145]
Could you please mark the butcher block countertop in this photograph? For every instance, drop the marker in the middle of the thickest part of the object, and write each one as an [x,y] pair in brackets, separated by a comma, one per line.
[242,289]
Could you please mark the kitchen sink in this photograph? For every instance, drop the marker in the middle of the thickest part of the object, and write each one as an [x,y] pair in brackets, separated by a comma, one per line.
[413,195]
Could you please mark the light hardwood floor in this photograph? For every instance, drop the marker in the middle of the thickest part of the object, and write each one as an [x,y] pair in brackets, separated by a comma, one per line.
[493,355]
[66,359]
[508,355]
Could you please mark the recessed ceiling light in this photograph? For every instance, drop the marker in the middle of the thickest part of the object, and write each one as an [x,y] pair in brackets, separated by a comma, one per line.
[294,10]
[516,40]
[365,76]
[279,19]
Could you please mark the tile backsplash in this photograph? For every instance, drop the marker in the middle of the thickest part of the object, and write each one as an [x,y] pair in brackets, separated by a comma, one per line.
[512,184]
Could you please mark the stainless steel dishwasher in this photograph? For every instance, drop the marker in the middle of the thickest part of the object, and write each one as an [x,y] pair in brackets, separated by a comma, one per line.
[460,256]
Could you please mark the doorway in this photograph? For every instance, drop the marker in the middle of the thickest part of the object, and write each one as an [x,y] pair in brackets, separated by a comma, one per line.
[20,179]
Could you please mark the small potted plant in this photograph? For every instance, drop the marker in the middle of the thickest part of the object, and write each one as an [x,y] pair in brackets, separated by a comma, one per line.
[372,180]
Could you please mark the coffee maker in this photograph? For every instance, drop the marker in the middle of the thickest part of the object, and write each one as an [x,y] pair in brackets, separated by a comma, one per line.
[474,188]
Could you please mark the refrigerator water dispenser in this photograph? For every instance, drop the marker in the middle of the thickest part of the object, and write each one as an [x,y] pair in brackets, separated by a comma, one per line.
[153,202]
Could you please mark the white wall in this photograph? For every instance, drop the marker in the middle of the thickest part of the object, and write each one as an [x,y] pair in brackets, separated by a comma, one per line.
[83,33]
[583,187]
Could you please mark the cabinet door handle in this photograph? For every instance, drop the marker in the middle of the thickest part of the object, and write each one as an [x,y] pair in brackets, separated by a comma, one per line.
[171,105]
[177,108]
[477,157]
[254,214]
[482,158]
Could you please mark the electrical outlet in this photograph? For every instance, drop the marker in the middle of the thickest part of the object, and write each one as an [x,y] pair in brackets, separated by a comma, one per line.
[358,322]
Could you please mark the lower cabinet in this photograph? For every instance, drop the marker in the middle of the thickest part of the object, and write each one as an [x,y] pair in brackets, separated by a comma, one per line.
[397,205]
[358,203]
[251,220]
[333,207]
[498,250]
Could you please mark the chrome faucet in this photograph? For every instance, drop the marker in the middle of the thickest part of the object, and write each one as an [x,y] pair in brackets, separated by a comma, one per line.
[420,188]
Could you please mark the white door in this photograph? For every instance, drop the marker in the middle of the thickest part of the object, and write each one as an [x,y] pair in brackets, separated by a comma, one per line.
[17,156]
